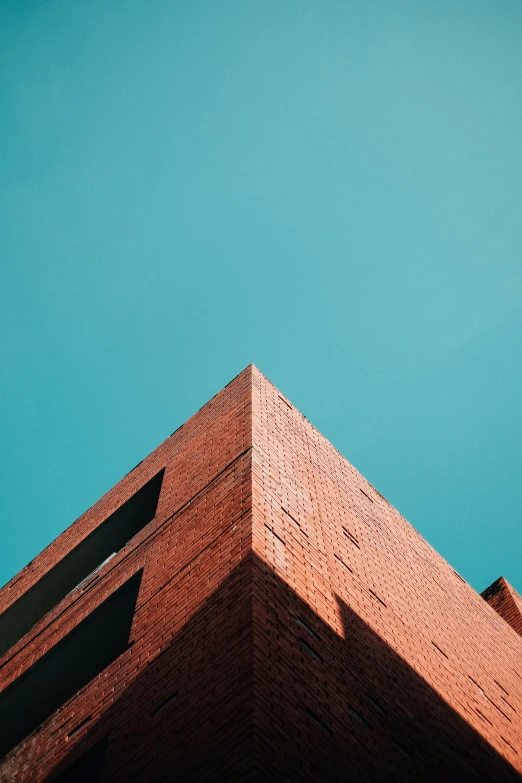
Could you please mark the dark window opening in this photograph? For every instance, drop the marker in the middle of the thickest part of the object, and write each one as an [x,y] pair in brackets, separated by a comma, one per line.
[88,768]
[68,666]
[80,564]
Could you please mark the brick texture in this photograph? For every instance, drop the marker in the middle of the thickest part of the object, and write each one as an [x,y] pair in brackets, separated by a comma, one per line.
[290,625]
[506,601]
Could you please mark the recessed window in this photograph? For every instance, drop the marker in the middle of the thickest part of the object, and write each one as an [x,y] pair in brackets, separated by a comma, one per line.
[68,666]
[80,564]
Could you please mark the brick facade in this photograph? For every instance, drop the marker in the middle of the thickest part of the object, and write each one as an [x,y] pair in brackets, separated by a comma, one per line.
[506,601]
[289,625]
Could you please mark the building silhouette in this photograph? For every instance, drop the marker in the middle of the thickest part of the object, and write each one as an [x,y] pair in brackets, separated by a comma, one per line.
[245,606]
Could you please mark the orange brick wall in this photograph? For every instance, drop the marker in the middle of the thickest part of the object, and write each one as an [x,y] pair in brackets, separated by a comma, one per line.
[397,626]
[192,628]
[303,628]
[506,602]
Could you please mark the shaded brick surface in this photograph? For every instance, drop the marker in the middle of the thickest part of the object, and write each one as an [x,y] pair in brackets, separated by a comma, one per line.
[290,625]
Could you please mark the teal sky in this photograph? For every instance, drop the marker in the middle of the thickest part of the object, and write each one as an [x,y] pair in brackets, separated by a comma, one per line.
[330,189]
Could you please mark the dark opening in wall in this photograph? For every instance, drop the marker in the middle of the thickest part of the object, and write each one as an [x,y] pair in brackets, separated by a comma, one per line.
[88,768]
[68,666]
[90,554]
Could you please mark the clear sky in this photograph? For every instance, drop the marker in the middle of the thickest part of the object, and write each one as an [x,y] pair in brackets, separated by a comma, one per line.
[330,189]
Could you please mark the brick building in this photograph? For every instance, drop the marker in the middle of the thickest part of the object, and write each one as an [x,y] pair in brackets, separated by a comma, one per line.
[245,606]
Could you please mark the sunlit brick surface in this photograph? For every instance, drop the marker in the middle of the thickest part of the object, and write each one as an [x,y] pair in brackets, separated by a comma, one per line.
[290,625]
[420,644]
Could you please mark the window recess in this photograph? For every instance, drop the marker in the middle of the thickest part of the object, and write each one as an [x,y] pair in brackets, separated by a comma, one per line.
[68,666]
[80,564]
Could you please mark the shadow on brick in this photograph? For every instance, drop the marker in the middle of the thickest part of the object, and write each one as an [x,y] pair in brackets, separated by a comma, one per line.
[257,687]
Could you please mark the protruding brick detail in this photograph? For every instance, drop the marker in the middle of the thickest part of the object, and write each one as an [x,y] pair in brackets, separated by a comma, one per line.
[290,625]
[506,601]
